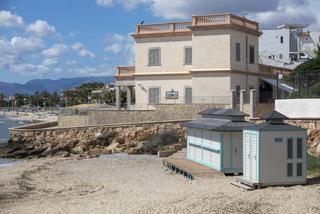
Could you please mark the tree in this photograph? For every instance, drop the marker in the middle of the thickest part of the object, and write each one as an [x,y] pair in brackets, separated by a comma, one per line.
[316,51]
[305,77]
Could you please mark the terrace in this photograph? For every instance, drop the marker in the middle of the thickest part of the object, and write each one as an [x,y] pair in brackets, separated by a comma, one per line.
[198,22]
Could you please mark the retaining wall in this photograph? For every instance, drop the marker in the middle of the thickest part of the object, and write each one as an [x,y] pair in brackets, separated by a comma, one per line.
[161,113]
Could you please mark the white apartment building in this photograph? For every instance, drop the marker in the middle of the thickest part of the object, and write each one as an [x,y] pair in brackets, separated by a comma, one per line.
[195,62]
[289,43]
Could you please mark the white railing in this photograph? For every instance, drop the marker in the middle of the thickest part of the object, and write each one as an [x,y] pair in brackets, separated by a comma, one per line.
[203,20]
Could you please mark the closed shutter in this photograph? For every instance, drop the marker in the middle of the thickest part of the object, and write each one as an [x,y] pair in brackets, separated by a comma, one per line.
[188,56]
[154,95]
[188,95]
[154,57]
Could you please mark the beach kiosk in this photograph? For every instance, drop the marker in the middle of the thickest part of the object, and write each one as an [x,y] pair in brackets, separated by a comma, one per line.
[274,153]
[215,140]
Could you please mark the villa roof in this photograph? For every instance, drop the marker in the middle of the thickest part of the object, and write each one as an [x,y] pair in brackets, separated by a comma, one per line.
[220,120]
[274,122]
[214,124]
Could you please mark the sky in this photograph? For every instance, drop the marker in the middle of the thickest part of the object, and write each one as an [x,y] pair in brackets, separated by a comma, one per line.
[72,38]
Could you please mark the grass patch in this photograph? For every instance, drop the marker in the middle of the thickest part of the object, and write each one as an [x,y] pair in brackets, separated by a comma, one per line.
[313,163]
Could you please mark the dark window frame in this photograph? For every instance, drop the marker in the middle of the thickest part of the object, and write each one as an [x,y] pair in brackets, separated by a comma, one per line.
[289,169]
[252,54]
[290,148]
[238,52]
[299,169]
[299,148]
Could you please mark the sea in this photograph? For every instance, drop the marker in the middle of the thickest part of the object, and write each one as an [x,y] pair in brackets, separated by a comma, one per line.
[5,124]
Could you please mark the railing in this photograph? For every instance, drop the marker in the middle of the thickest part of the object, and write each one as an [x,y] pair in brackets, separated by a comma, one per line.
[164,28]
[224,19]
[205,20]
[125,71]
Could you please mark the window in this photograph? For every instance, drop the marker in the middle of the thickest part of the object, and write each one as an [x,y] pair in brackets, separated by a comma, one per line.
[299,148]
[281,39]
[289,148]
[278,140]
[251,54]
[188,56]
[154,57]
[299,169]
[154,95]
[238,52]
[289,169]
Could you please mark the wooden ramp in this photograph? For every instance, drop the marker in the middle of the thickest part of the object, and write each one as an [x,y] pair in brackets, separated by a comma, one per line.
[189,168]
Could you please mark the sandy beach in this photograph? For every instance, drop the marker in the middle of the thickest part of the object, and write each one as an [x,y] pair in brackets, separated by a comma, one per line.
[136,184]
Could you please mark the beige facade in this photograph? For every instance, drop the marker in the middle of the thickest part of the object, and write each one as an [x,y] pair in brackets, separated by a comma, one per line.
[224,57]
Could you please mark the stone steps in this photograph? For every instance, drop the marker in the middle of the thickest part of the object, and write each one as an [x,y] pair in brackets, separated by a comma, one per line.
[180,154]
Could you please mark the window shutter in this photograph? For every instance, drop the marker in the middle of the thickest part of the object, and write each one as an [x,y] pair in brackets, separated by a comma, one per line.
[238,52]
[188,56]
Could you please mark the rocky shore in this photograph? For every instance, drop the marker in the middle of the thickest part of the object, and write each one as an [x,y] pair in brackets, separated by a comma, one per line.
[94,141]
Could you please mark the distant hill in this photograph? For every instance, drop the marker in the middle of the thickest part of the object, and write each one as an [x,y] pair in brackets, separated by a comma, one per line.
[49,85]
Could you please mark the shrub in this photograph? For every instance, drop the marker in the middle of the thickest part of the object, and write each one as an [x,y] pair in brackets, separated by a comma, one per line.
[160,140]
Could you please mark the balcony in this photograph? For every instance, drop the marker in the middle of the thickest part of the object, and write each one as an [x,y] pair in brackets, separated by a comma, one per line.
[205,21]
[125,76]
[125,72]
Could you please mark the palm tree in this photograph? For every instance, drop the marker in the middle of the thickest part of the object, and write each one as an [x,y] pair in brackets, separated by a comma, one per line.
[316,51]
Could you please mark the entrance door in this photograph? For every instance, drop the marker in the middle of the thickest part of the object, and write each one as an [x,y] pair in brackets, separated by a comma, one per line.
[188,95]
[250,156]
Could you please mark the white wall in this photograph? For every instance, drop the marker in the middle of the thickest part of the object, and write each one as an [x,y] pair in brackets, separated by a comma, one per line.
[172,54]
[211,49]
[270,44]
[165,83]
[253,40]
[299,108]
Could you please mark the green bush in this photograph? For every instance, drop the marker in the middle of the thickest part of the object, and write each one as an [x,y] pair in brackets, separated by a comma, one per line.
[160,140]
[313,165]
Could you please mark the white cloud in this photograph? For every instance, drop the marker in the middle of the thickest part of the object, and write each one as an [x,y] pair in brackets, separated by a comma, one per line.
[122,45]
[82,51]
[7,19]
[71,62]
[268,13]
[22,45]
[50,61]
[102,70]
[41,28]
[127,4]
[56,50]
[57,70]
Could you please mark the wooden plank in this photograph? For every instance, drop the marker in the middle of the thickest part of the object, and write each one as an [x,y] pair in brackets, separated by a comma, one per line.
[190,167]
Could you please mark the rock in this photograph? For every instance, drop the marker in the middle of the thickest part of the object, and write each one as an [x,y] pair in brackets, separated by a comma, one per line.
[113,146]
[63,154]
[318,149]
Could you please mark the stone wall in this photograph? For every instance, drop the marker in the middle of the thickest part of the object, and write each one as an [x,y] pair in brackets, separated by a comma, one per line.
[88,140]
[161,113]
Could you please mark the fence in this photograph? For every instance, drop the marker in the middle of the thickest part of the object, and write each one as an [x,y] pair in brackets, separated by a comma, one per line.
[306,83]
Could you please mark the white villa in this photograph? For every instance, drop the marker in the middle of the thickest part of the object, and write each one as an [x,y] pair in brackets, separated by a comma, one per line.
[196,62]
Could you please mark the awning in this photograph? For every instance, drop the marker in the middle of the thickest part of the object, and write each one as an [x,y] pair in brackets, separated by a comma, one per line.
[281,85]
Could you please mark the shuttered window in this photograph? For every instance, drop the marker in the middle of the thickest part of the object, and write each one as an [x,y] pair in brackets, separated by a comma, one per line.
[188,56]
[299,148]
[154,57]
[289,148]
[289,169]
[299,169]
[154,95]
[251,54]
[238,52]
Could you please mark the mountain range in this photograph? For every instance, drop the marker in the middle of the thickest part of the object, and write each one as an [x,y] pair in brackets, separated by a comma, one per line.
[49,85]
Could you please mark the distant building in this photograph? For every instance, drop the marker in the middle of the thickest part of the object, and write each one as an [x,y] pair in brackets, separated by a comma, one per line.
[288,44]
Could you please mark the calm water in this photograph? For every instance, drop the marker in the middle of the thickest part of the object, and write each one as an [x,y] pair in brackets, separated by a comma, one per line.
[5,124]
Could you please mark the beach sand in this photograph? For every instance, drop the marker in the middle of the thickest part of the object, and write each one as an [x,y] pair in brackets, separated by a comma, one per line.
[137,184]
